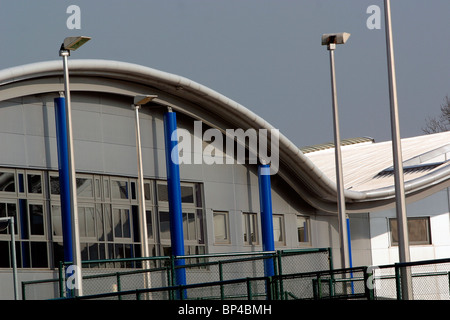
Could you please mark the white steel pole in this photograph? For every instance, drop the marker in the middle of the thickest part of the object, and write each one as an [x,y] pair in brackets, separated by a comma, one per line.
[78,289]
[338,160]
[402,224]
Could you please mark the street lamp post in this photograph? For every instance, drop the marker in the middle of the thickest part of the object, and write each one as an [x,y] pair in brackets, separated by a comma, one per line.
[402,224]
[69,44]
[331,40]
[140,100]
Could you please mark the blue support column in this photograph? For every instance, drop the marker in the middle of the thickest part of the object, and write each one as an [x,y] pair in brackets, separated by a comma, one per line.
[174,190]
[265,200]
[64,182]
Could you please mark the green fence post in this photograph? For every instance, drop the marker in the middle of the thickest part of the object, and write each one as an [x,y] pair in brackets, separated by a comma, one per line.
[222,291]
[369,288]
[249,289]
[398,282]
[61,279]
[119,286]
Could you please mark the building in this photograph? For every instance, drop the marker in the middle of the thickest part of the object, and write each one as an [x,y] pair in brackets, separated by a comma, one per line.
[221,208]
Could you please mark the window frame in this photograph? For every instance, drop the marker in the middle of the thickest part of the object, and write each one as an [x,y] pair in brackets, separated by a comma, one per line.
[226,215]
[394,243]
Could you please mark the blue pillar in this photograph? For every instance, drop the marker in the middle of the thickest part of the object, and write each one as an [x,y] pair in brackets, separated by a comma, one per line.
[64,184]
[265,200]
[174,190]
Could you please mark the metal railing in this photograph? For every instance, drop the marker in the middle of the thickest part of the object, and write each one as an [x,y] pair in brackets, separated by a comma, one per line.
[117,275]
[241,276]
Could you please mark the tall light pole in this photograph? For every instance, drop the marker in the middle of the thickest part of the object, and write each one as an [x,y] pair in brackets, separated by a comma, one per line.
[331,40]
[69,44]
[402,223]
[140,100]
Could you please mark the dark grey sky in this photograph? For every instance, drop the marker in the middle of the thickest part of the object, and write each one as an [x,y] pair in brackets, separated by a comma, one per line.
[264,54]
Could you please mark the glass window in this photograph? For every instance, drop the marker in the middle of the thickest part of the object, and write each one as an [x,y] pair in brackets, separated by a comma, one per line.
[189,226]
[34,183]
[147,191]
[8,210]
[39,255]
[249,224]
[148,214]
[122,224]
[187,194]
[303,229]
[54,185]
[56,221]
[163,194]
[85,188]
[221,229]
[119,189]
[36,214]
[278,228]
[418,231]
[7,183]
[164,224]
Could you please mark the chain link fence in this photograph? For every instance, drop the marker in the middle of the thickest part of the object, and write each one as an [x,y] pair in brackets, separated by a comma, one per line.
[299,274]
[106,276]
[423,280]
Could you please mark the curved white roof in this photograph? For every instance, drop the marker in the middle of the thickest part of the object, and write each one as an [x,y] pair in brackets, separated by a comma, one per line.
[313,182]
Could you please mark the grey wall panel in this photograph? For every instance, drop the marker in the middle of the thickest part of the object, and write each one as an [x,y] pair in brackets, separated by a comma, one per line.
[13,150]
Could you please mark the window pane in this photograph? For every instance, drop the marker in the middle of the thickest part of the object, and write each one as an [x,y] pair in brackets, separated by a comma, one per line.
[36,219]
[191,226]
[90,222]
[278,229]
[108,223]
[82,222]
[126,223]
[7,182]
[117,223]
[147,191]
[56,221]
[418,231]
[302,229]
[148,214]
[164,224]
[187,194]
[119,189]
[34,183]
[220,227]
[163,194]
[100,232]
[84,188]
[39,254]
[54,185]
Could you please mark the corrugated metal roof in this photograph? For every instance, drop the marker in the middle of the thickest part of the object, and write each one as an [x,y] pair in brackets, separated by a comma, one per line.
[367,166]
[330,145]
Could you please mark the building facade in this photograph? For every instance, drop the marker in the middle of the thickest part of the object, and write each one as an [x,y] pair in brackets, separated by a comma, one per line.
[220,199]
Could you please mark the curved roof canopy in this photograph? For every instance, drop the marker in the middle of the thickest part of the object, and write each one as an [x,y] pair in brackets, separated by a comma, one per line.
[183,95]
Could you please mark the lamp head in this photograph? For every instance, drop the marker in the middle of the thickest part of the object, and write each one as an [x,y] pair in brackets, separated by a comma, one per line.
[143,99]
[335,38]
[73,43]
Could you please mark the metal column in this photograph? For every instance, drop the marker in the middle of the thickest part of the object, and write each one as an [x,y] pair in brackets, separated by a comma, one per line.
[403,239]
[338,159]
[64,182]
[174,190]
[265,200]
